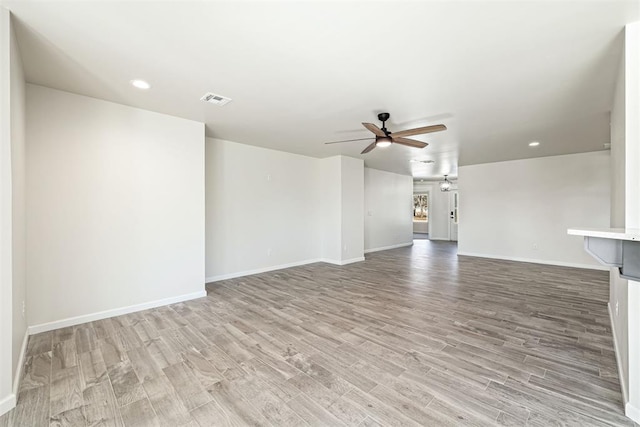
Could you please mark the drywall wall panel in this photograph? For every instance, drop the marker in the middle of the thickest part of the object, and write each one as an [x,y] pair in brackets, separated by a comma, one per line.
[632,206]
[388,219]
[618,287]
[330,196]
[7,399]
[262,209]
[522,209]
[115,206]
[18,178]
[352,208]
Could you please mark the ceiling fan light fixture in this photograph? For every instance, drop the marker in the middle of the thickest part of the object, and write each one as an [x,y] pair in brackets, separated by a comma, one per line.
[383,141]
[445,185]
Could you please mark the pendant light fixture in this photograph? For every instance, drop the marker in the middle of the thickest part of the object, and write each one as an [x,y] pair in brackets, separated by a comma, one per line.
[445,185]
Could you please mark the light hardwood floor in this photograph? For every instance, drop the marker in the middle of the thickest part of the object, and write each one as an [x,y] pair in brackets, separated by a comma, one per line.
[412,336]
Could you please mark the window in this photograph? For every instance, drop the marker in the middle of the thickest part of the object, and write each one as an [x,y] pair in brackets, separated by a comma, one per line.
[420,207]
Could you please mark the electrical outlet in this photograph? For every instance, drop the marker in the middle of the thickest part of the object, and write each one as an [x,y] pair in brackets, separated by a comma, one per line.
[269,252]
[535,246]
[617,308]
[268,177]
[24,309]
[345,248]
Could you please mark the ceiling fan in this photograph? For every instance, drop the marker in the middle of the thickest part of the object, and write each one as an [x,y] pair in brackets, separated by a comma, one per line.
[384,138]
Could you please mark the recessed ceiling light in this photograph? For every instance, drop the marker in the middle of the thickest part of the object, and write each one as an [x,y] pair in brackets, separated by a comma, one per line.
[140,84]
[534,144]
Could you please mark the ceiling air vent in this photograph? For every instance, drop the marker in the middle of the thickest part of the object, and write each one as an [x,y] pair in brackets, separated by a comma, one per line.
[212,98]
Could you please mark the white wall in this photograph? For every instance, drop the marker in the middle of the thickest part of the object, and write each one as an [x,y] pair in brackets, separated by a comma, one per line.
[115,206]
[625,212]
[340,186]
[388,200]
[12,225]
[352,209]
[522,209]
[420,226]
[618,150]
[632,209]
[18,171]
[618,288]
[438,208]
[7,399]
[268,209]
[262,209]
[13,324]
[632,408]
[329,194]
[632,126]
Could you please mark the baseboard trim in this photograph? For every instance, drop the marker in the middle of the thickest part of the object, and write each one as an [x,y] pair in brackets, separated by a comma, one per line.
[71,321]
[260,270]
[439,238]
[342,262]
[632,412]
[18,373]
[386,248]
[7,404]
[536,261]
[244,273]
[621,373]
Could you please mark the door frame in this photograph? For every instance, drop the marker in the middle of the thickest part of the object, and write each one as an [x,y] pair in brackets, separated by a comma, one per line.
[453,194]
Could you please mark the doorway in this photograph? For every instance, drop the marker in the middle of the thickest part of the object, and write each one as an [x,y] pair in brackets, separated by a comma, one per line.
[421,216]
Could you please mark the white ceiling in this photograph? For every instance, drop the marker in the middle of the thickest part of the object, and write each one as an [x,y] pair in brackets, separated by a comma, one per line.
[498,74]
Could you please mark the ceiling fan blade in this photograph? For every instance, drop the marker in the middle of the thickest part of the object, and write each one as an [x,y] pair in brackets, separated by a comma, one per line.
[347,140]
[375,129]
[419,131]
[369,148]
[409,142]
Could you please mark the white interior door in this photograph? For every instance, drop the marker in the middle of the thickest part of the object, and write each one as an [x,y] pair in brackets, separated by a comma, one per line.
[453,216]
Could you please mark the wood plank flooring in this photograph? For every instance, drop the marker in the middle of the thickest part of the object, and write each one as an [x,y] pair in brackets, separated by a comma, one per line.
[411,337]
